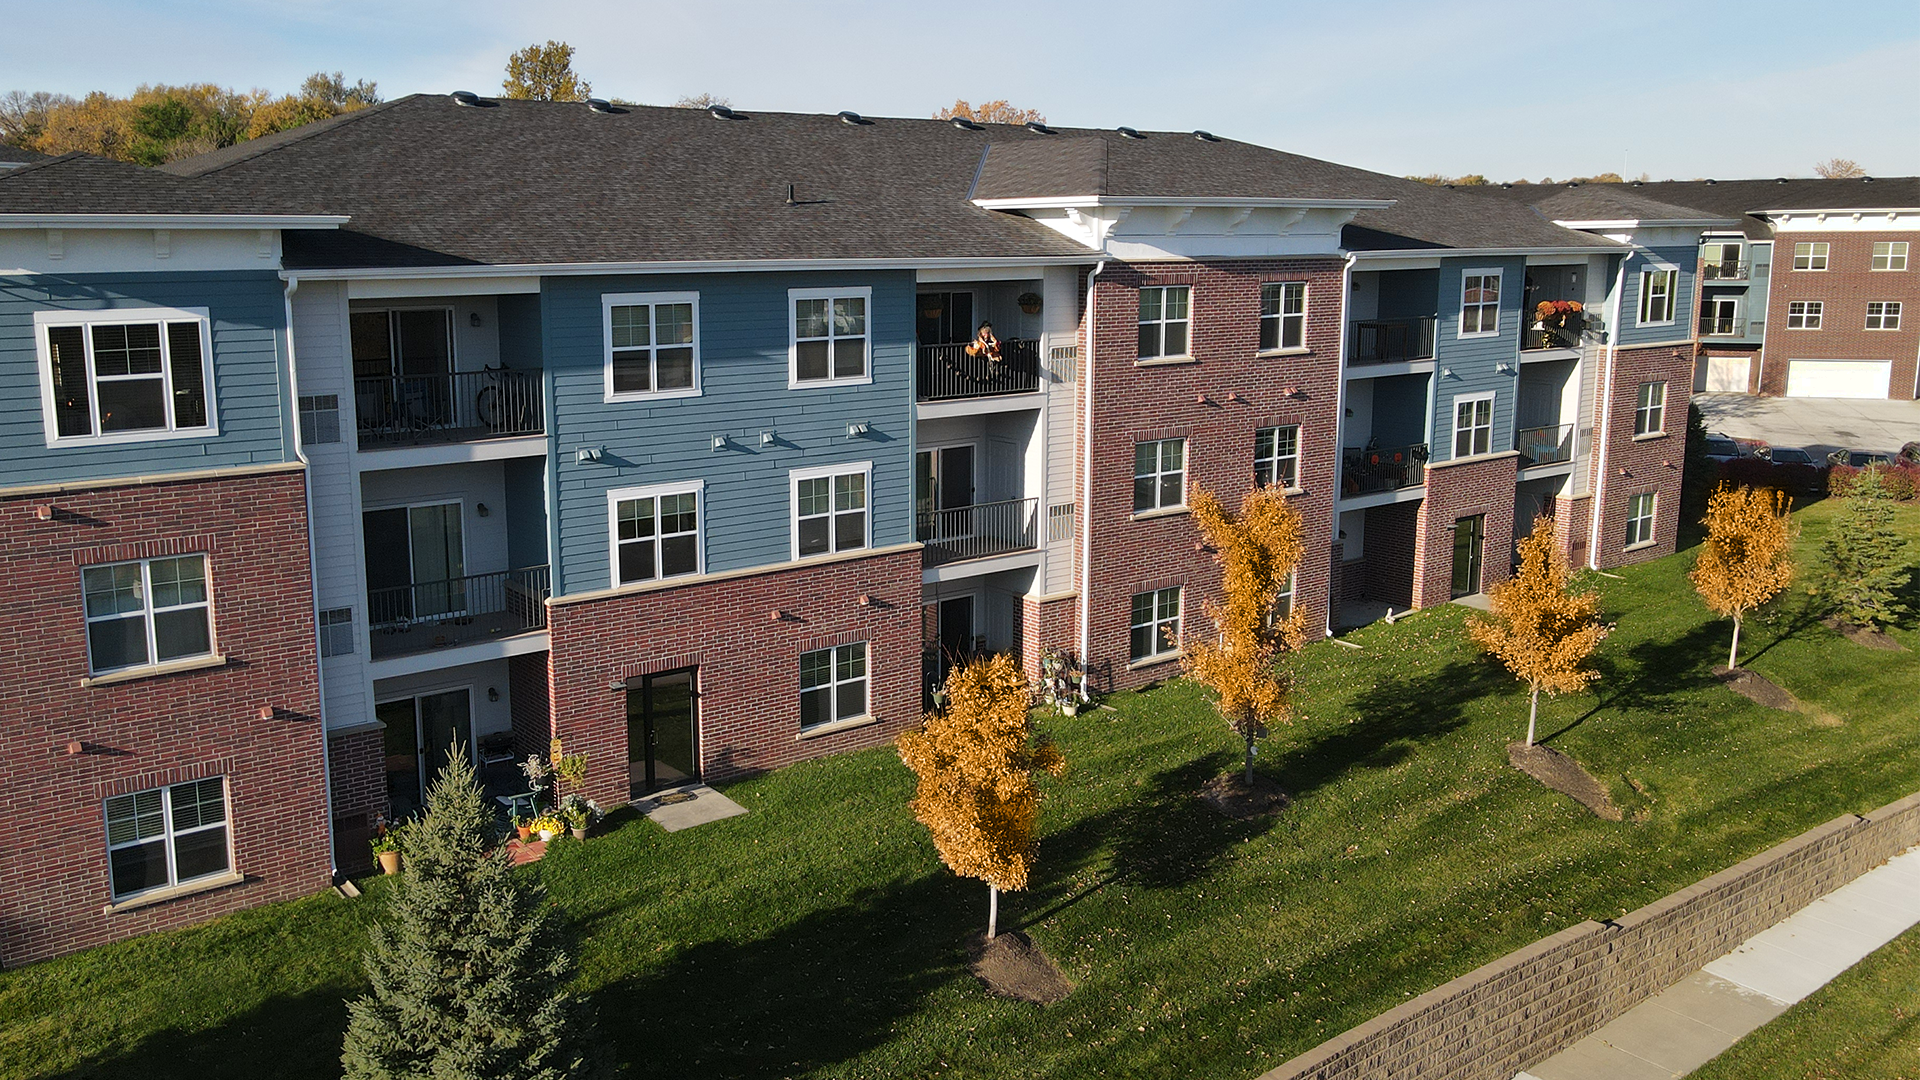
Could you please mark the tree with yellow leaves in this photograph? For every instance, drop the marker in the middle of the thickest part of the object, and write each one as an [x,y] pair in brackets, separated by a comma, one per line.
[1743,563]
[1257,549]
[998,111]
[976,759]
[1541,629]
[544,73]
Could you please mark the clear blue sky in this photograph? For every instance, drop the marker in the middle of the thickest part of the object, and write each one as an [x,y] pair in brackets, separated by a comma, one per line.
[1674,89]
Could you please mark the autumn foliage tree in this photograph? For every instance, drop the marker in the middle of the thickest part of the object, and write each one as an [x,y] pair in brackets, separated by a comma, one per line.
[976,759]
[544,73]
[1743,562]
[1838,168]
[158,124]
[1541,629]
[1257,549]
[999,111]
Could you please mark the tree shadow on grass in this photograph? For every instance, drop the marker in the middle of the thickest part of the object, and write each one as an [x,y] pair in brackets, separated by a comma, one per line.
[1396,713]
[294,1037]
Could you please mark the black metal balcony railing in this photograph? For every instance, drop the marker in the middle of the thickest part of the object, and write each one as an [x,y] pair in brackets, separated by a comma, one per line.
[1544,445]
[1724,271]
[1549,337]
[1719,326]
[436,614]
[946,372]
[1364,472]
[978,531]
[462,406]
[1387,341]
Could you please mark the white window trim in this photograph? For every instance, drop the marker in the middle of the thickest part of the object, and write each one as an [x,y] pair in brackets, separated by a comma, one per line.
[1899,314]
[1162,321]
[1460,320]
[147,612]
[1890,268]
[1709,311]
[1291,485]
[1826,258]
[833,690]
[1280,347]
[1673,294]
[1815,310]
[815,472]
[865,292]
[1652,518]
[43,321]
[1174,649]
[1491,398]
[616,496]
[173,885]
[1659,429]
[609,301]
[1186,471]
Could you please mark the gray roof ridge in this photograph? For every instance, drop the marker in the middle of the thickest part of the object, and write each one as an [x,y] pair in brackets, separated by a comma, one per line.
[301,134]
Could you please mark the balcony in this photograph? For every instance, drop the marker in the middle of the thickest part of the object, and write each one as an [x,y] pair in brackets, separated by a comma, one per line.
[1721,326]
[1373,470]
[947,373]
[457,611]
[1544,445]
[979,531]
[1724,271]
[1391,341]
[464,406]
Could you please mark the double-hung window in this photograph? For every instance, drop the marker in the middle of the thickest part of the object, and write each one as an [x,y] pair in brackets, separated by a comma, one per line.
[1650,412]
[1656,296]
[1480,303]
[1159,474]
[1276,456]
[1283,598]
[125,375]
[652,344]
[1472,425]
[1155,629]
[147,612]
[829,336]
[1283,315]
[1640,510]
[1804,314]
[1883,314]
[1889,255]
[1810,255]
[833,685]
[655,532]
[1164,320]
[169,836]
[830,509]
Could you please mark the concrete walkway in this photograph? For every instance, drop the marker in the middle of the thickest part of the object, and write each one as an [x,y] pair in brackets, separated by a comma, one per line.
[1688,1025]
[687,806]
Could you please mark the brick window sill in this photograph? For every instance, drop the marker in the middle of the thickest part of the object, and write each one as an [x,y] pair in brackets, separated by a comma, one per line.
[1163,512]
[1649,436]
[836,727]
[1155,661]
[161,896]
[171,667]
[1296,350]
[1641,546]
[1165,361]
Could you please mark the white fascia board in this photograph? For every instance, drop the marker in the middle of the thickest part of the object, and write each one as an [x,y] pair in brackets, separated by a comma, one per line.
[1081,201]
[689,266]
[172,221]
[1639,223]
[1847,211]
[1436,254]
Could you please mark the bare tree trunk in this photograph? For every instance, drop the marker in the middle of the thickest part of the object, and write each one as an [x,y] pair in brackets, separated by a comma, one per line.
[1533,712]
[993,912]
[1735,651]
[1249,776]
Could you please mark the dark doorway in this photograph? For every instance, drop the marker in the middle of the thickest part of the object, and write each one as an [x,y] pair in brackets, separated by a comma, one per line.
[662,731]
[946,318]
[1469,540]
[419,733]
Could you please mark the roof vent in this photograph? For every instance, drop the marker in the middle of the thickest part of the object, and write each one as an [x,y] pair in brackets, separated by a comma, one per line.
[1573,183]
[1205,136]
[1779,179]
[1866,179]
[599,105]
[1038,128]
[963,123]
[1129,133]
[465,97]
[719,112]
[1508,184]
[848,116]
[1710,180]
[1636,183]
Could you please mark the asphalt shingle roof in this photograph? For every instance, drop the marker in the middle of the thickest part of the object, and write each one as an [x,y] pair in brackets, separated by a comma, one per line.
[1740,199]
[16,155]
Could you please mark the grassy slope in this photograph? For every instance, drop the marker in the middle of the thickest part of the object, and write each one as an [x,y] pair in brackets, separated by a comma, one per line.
[818,935]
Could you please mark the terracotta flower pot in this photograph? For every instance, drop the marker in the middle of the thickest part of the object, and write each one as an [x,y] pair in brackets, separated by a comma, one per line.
[389,862]
[526,832]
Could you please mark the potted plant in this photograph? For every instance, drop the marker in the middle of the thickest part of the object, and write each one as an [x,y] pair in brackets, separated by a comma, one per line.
[1559,320]
[521,826]
[548,826]
[386,841]
[571,769]
[580,814]
[539,776]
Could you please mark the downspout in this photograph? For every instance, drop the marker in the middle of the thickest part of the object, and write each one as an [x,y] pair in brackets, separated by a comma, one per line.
[313,567]
[1594,538]
[1340,430]
[1086,487]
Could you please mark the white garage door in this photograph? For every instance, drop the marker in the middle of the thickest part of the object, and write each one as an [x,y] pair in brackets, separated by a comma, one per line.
[1727,374]
[1839,378]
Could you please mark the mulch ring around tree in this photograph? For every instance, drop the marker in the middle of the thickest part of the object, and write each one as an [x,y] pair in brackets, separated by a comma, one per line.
[1014,967]
[1229,794]
[1870,636]
[1755,687]
[1564,775]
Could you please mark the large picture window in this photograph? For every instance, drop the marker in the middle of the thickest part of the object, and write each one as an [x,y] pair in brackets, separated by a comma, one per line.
[830,509]
[147,612]
[122,376]
[830,339]
[1283,315]
[167,836]
[833,685]
[1480,303]
[655,532]
[652,344]
[1164,320]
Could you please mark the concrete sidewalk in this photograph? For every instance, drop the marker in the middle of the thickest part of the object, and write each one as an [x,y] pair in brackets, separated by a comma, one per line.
[1688,1025]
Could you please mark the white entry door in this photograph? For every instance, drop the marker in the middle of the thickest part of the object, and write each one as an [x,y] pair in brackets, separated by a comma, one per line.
[1839,378]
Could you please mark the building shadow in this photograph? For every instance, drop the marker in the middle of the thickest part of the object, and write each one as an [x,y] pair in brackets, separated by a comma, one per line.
[1396,714]
[289,1037]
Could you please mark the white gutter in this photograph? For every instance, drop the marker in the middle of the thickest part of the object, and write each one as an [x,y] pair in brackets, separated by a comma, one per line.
[313,568]
[677,266]
[1086,489]
[1455,253]
[1594,537]
[172,221]
[1340,427]
[1635,223]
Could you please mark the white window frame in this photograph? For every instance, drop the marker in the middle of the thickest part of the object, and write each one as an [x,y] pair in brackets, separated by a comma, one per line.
[1650,418]
[1888,315]
[1186,468]
[1284,594]
[1710,308]
[168,834]
[1639,524]
[609,301]
[1818,251]
[1896,250]
[148,611]
[45,321]
[1162,322]
[333,629]
[1179,623]
[1811,314]
[1670,296]
[1499,295]
[616,496]
[1292,483]
[865,469]
[1283,319]
[794,296]
[835,682]
[1487,396]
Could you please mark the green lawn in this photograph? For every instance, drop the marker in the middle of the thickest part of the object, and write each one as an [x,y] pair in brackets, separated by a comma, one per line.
[1864,1025]
[819,936]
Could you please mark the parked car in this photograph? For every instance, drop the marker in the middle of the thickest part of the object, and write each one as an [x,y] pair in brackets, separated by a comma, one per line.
[1754,448]
[1797,469]
[1721,449]
[1859,459]
[1909,454]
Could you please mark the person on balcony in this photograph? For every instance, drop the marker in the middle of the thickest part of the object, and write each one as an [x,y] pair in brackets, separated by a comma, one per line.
[984,344]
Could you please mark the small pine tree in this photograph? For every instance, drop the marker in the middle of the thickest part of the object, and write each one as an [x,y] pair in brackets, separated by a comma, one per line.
[467,968]
[1541,629]
[976,759]
[1866,561]
[1743,562]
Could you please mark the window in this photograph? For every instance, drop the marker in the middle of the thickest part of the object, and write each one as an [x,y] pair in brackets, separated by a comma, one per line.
[944,318]
[124,376]
[147,612]
[829,336]
[1283,599]
[652,343]
[833,685]
[1276,456]
[1804,314]
[1164,321]
[1883,314]
[1480,303]
[1649,415]
[167,836]
[320,419]
[656,532]
[1156,624]
[1283,315]
[1472,425]
[1890,255]
[1640,519]
[830,509]
[1656,296]
[336,632]
[1720,315]
[1810,256]
[1159,474]
[1720,260]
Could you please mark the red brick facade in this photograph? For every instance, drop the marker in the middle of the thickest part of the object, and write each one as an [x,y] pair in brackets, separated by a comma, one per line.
[358,764]
[254,720]
[1843,289]
[1640,464]
[1456,490]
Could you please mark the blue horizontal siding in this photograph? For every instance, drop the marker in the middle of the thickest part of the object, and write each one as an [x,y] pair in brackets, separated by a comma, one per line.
[1686,259]
[1471,365]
